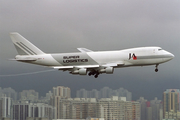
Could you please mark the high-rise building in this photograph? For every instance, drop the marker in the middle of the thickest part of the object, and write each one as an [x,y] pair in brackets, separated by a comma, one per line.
[1,109]
[128,111]
[5,107]
[105,92]
[21,111]
[143,107]
[82,93]
[114,108]
[62,91]
[150,110]
[132,110]
[29,95]
[124,93]
[46,99]
[160,114]
[9,92]
[78,108]
[111,108]
[59,92]
[156,106]
[149,113]
[94,93]
[136,111]
[170,102]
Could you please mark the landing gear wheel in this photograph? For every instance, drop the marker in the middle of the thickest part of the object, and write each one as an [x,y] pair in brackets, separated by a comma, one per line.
[156,70]
[90,74]
[96,76]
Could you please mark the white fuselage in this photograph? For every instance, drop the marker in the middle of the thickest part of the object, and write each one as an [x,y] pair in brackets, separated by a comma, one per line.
[144,56]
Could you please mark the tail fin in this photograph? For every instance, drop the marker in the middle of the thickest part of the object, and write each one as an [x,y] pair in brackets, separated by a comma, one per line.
[23,46]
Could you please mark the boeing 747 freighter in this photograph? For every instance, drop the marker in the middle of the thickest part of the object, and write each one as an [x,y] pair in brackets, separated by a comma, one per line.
[87,61]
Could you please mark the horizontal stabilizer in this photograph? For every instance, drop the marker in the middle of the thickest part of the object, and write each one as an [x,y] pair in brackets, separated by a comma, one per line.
[26,59]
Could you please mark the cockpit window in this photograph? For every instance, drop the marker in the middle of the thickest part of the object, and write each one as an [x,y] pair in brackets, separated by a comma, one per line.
[159,49]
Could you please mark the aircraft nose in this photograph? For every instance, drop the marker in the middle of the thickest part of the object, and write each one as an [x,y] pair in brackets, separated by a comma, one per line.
[170,55]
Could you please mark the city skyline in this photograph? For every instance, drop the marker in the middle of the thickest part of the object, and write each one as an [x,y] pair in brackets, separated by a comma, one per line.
[59,104]
[10,92]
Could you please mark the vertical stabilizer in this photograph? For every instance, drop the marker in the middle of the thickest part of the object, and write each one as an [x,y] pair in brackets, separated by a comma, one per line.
[23,46]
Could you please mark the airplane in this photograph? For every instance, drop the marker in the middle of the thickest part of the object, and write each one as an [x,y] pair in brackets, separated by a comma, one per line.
[87,61]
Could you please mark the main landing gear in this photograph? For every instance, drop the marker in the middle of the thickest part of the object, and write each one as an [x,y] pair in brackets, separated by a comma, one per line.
[156,70]
[95,73]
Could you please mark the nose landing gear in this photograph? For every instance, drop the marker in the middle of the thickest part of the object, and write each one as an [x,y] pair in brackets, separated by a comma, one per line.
[156,70]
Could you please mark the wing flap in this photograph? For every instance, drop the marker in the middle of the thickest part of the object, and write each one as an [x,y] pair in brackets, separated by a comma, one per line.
[115,64]
[75,67]
[63,67]
[87,66]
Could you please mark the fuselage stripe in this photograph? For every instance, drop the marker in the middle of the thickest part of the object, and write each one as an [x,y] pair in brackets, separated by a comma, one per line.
[152,57]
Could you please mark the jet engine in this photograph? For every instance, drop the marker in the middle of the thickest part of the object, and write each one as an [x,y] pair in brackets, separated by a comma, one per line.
[80,71]
[108,70]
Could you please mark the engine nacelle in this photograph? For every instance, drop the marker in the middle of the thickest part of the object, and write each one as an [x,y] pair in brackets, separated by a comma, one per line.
[108,70]
[80,71]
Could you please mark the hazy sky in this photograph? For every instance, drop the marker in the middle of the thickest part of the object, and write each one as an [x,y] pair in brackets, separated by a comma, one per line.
[63,25]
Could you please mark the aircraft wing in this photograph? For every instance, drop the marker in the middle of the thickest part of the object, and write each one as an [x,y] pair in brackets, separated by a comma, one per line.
[83,50]
[115,64]
[71,67]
